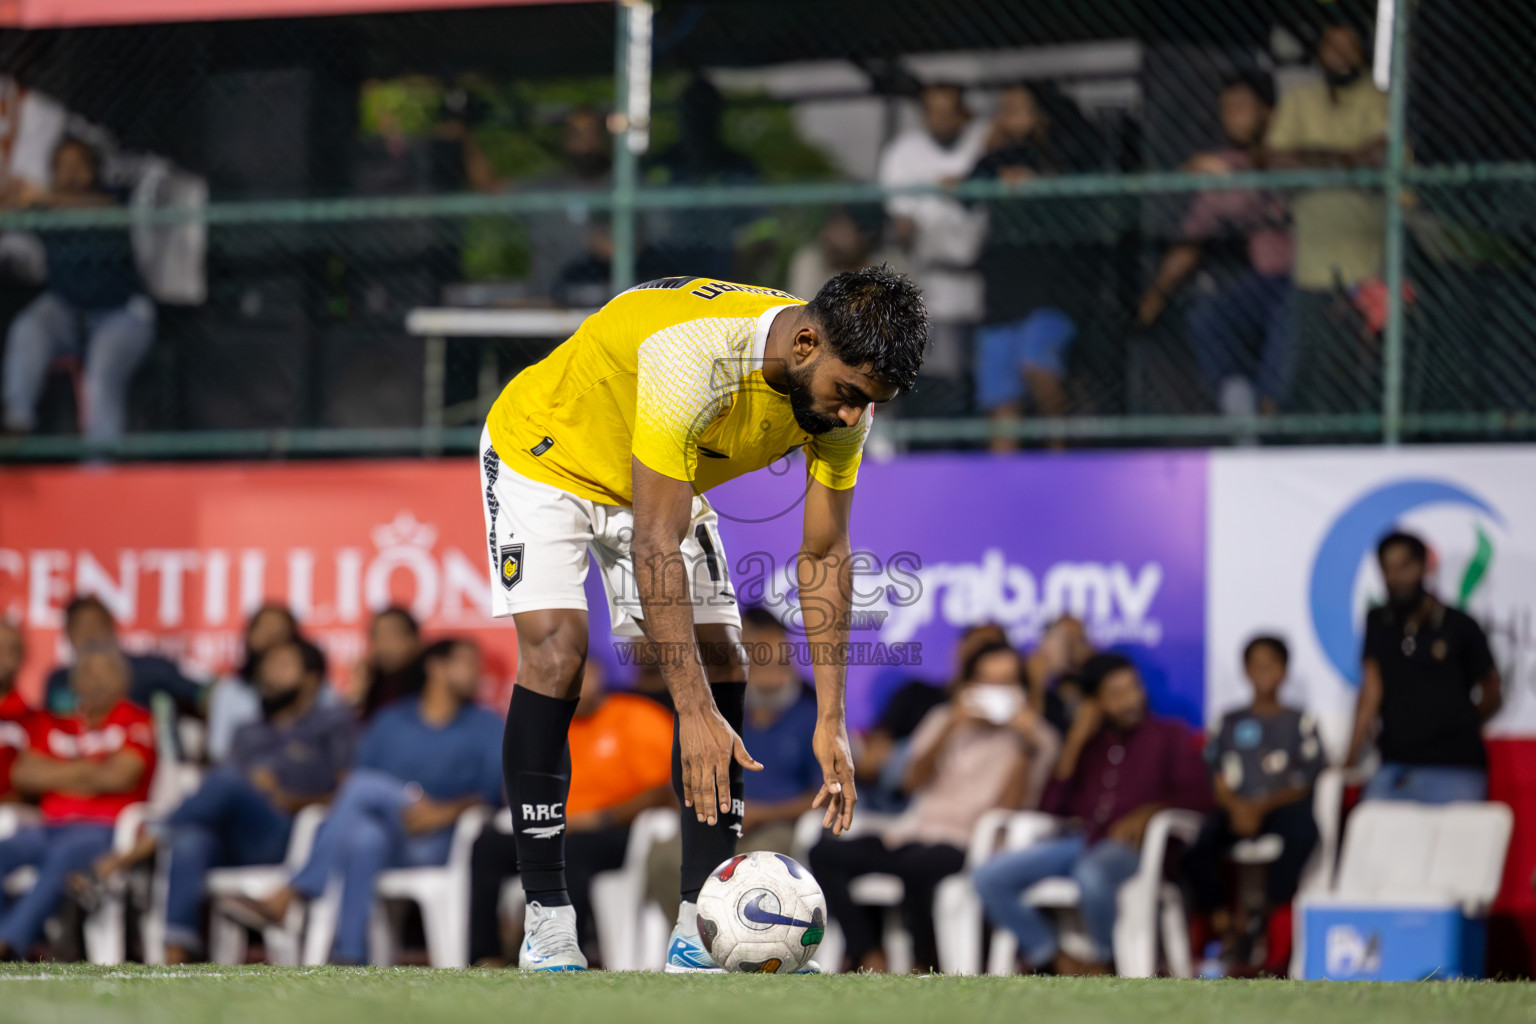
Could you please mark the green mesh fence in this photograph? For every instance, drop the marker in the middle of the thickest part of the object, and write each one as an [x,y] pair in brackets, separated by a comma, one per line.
[1119,256]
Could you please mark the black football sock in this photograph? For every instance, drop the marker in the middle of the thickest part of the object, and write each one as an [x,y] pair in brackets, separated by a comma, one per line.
[705,847]
[536,764]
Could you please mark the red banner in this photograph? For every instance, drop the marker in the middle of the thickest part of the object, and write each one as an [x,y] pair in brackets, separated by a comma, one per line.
[57,13]
[182,554]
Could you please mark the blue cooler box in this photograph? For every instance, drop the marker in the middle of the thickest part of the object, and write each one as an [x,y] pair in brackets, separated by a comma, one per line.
[1390,942]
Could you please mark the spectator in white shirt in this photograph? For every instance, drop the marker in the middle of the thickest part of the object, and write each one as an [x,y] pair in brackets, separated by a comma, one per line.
[943,235]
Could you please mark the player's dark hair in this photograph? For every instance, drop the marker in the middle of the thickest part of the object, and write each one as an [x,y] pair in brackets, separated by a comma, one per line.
[1260,83]
[1415,545]
[1274,643]
[1100,667]
[968,670]
[874,317]
[86,602]
[403,614]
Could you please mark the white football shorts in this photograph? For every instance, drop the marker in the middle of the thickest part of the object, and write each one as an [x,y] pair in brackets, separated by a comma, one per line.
[538,538]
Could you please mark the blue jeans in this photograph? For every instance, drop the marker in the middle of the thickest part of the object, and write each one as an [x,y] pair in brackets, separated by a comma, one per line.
[1098,871]
[362,836]
[1224,325]
[1426,785]
[57,851]
[226,823]
[116,340]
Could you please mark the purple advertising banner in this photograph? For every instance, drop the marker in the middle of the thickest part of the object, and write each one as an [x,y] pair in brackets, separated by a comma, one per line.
[945,541]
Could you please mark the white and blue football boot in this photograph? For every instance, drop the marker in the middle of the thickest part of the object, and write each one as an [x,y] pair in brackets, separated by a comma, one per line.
[549,940]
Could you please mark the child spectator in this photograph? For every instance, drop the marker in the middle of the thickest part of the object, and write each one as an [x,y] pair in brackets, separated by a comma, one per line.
[84,768]
[1265,758]
[986,748]
[422,763]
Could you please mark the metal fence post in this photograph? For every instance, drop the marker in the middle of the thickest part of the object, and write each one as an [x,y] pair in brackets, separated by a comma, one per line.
[630,122]
[1392,186]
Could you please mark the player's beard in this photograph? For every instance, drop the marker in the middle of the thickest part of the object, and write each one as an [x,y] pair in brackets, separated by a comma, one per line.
[811,421]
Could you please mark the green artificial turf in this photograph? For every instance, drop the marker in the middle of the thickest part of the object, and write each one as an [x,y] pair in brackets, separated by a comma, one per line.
[67,994]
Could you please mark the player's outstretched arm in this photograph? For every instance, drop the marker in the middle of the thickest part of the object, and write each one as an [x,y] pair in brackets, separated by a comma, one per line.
[825,579]
[708,742]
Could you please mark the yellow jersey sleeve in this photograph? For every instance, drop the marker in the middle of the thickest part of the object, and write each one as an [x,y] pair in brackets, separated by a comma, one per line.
[833,458]
[685,377]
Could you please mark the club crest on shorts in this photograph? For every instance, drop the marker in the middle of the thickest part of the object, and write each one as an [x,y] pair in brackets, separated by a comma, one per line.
[511,563]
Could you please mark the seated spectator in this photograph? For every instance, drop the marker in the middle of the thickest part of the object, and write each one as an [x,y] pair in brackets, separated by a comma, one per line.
[621,764]
[881,764]
[984,749]
[780,719]
[83,768]
[390,669]
[1265,759]
[243,812]
[1030,321]
[15,714]
[1428,677]
[421,764]
[1052,666]
[845,242]
[95,303]
[234,701]
[88,624]
[1238,328]
[1119,766]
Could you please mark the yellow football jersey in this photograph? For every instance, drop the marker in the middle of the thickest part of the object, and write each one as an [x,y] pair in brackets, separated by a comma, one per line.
[669,372]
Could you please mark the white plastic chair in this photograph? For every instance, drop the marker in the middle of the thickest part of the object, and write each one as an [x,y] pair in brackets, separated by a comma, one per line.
[441,893]
[104,928]
[957,911]
[631,931]
[872,890]
[1417,855]
[1148,904]
[227,940]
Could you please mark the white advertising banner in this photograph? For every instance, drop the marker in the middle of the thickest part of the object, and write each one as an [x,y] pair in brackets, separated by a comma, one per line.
[1292,551]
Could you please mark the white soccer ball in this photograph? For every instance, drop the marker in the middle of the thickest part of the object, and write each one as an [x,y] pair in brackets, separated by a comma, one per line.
[761,913]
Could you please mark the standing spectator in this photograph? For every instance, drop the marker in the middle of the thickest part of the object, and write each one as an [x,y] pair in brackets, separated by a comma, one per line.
[621,764]
[1428,677]
[984,749]
[1265,759]
[87,625]
[243,812]
[1031,318]
[1119,766]
[421,764]
[1246,309]
[1339,123]
[93,290]
[882,760]
[15,715]
[390,669]
[780,718]
[942,235]
[234,700]
[572,251]
[84,768]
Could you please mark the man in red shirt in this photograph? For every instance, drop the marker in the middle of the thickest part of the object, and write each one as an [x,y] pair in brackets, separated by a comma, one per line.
[15,715]
[84,768]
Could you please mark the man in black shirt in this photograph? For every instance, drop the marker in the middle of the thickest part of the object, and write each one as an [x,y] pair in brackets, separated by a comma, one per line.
[1428,676]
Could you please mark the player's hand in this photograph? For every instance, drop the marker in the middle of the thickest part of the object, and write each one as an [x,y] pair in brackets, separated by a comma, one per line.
[709,745]
[838,793]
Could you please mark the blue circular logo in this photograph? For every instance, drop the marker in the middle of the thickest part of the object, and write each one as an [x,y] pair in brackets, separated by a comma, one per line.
[1354,536]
